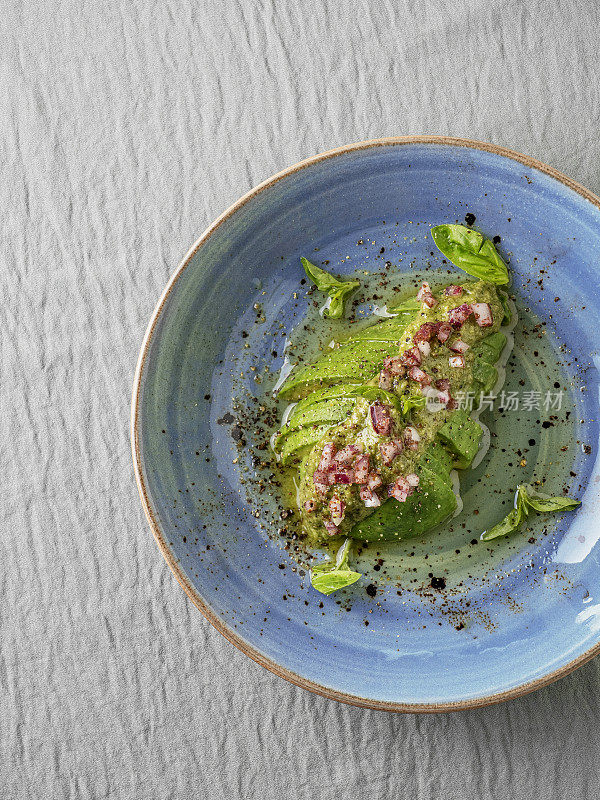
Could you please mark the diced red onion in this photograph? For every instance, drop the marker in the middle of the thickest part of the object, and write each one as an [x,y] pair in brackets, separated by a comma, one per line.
[453,290]
[369,498]
[326,457]
[456,361]
[424,290]
[343,475]
[349,452]
[337,508]
[411,437]
[310,505]
[400,490]
[425,348]
[452,404]
[385,379]
[321,481]
[458,316]
[458,346]
[483,314]
[417,374]
[361,469]
[381,419]
[444,331]
[425,332]
[413,480]
[394,365]
[443,384]
[374,480]
[388,452]
[331,528]
[412,357]
[430,301]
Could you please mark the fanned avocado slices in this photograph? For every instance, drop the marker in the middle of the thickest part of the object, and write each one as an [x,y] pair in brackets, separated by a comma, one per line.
[378,425]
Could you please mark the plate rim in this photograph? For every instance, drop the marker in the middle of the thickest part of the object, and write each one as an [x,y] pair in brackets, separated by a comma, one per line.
[245,647]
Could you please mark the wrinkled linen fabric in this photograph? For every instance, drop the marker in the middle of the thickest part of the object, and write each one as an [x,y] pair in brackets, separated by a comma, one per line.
[127,127]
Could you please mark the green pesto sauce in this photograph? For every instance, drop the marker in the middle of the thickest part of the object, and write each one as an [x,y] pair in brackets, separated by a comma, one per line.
[357,427]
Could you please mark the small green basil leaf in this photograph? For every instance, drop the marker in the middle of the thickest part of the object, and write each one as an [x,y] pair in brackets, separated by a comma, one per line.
[544,504]
[329,582]
[338,297]
[509,524]
[471,252]
[337,290]
[374,393]
[327,579]
[505,307]
[412,401]
[526,499]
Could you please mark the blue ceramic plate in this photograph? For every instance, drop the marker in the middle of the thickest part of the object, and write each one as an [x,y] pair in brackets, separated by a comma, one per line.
[537,623]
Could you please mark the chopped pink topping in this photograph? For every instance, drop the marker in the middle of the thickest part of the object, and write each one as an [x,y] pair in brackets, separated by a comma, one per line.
[400,489]
[411,437]
[458,346]
[326,457]
[310,505]
[444,331]
[458,316]
[348,453]
[374,480]
[385,379]
[452,404]
[425,296]
[331,528]
[321,482]
[337,508]
[369,498]
[424,290]
[443,398]
[361,469]
[389,451]
[381,419]
[425,332]
[456,361]
[413,480]
[394,365]
[417,374]
[453,290]
[412,357]
[443,395]
[343,475]
[483,314]
[424,347]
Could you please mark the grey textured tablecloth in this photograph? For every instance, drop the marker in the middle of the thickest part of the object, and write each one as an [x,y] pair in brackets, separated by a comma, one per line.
[126,127]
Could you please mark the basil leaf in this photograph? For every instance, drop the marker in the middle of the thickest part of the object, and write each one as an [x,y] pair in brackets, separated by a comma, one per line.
[412,401]
[470,251]
[330,582]
[526,499]
[337,290]
[506,308]
[327,579]
[545,504]
[374,393]
[338,299]
[509,524]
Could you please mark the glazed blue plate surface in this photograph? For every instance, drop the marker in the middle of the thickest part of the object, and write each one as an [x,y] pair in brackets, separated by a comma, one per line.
[194,353]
